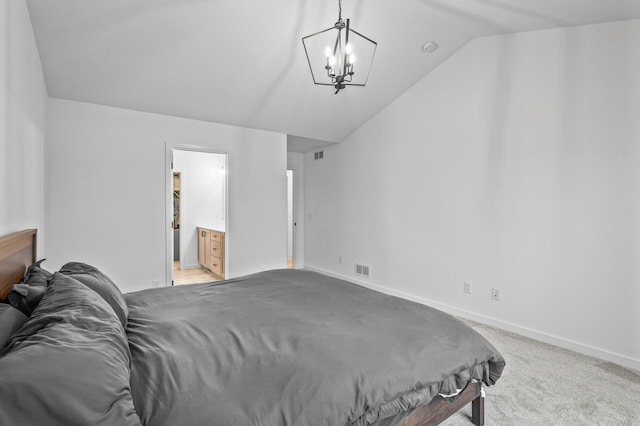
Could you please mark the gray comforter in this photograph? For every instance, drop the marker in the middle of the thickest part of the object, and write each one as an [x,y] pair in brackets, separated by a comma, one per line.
[293,348]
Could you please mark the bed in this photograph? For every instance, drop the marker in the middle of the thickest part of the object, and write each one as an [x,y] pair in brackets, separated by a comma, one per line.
[278,347]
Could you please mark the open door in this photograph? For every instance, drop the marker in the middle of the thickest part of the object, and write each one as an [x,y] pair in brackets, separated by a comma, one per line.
[290,223]
[176,219]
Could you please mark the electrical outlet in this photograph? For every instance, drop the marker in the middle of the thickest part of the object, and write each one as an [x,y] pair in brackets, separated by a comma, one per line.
[467,287]
[495,294]
[155,283]
[340,260]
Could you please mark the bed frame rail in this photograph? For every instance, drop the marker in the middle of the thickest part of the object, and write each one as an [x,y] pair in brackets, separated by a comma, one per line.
[438,410]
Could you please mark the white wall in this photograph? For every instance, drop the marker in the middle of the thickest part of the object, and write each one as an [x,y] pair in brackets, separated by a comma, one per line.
[23,108]
[295,162]
[107,188]
[515,165]
[202,199]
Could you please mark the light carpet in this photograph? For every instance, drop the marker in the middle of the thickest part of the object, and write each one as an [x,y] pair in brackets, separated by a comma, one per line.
[546,385]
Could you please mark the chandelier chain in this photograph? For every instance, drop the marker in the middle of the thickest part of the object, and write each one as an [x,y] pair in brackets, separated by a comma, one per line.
[339,10]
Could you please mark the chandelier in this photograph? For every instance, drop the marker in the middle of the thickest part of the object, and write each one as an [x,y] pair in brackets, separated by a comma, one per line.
[331,54]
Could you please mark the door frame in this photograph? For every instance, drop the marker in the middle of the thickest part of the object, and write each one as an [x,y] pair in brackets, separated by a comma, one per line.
[169,148]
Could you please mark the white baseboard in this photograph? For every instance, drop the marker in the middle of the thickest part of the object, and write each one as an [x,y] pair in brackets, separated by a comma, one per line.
[572,345]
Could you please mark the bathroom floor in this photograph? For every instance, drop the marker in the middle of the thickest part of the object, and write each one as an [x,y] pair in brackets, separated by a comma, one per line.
[192,276]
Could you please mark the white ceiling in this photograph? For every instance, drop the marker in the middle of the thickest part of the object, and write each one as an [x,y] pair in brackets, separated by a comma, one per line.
[242,62]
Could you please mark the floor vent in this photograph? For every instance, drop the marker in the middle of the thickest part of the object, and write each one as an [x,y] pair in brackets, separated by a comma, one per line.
[363,270]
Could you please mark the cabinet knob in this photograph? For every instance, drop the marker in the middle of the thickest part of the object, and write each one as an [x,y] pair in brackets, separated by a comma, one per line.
[204,234]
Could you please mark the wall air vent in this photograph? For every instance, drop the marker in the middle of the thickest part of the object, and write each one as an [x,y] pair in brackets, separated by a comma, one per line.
[318,155]
[363,270]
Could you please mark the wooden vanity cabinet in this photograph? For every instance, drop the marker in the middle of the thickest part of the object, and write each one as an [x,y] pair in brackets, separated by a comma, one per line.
[211,250]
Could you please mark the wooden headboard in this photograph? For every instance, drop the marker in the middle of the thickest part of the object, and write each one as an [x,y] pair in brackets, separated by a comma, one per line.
[17,251]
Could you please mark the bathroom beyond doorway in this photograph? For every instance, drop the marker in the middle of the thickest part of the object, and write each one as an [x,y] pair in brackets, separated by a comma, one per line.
[199,201]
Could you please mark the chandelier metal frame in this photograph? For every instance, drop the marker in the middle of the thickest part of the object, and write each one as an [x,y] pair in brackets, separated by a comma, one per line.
[340,58]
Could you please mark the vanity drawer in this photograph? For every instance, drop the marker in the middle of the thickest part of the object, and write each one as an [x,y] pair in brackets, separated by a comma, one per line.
[216,266]
[216,249]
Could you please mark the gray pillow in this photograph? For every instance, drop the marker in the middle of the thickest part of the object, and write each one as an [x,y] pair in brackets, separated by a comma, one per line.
[11,320]
[25,297]
[68,364]
[37,276]
[101,284]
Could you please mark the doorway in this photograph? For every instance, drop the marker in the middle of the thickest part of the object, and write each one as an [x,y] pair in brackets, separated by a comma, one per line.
[290,223]
[198,210]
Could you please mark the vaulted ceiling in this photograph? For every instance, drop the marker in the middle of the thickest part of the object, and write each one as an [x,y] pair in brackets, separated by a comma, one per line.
[242,62]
